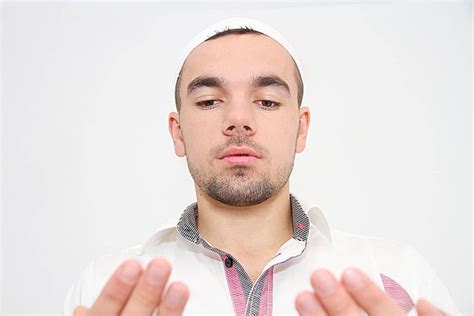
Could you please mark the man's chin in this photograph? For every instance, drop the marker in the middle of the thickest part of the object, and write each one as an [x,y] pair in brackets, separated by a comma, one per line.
[240,191]
[240,201]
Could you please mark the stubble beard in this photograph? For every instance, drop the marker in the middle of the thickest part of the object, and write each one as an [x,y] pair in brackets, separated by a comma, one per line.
[240,185]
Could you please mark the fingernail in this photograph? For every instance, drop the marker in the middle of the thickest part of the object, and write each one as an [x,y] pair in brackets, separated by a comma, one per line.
[130,273]
[353,279]
[325,282]
[156,274]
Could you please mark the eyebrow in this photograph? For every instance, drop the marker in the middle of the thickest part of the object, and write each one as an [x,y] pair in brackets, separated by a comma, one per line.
[270,80]
[205,81]
[257,82]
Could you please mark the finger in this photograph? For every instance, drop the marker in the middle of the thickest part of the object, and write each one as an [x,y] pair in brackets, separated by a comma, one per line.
[117,290]
[80,311]
[425,308]
[147,293]
[175,299]
[307,304]
[372,299]
[332,294]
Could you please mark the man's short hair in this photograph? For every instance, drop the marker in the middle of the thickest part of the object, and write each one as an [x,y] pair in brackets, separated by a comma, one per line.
[238,31]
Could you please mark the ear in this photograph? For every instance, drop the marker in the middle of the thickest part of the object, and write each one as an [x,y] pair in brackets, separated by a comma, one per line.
[304,121]
[176,134]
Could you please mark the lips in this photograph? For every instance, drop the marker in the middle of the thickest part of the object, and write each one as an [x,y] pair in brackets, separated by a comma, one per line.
[239,155]
[239,151]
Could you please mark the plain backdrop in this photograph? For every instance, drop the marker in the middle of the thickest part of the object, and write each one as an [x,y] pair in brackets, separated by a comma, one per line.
[88,166]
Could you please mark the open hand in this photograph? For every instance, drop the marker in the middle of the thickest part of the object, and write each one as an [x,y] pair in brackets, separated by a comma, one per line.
[132,291]
[355,292]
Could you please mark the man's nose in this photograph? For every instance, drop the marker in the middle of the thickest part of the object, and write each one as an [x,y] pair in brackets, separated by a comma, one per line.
[239,119]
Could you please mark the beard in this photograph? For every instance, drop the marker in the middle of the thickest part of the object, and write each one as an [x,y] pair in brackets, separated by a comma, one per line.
[240,185]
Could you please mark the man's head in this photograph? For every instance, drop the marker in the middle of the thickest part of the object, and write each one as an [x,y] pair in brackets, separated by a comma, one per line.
[238,31]
[239,120]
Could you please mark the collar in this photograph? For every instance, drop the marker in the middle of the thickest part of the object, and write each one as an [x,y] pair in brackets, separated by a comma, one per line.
[302,213]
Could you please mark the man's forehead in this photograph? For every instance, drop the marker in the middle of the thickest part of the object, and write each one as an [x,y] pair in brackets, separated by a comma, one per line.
[229,55]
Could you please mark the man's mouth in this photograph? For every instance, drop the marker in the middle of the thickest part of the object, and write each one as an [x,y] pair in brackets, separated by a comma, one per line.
[239,156]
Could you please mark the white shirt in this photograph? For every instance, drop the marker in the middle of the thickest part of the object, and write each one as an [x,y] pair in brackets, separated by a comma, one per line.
[219,285]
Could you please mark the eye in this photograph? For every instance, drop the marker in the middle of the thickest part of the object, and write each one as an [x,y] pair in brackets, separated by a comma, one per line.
[207,103]
[268,105]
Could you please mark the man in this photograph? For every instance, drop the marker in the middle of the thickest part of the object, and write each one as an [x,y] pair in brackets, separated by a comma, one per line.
[248,246]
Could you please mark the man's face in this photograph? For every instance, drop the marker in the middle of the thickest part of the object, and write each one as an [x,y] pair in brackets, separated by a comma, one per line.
[239,125]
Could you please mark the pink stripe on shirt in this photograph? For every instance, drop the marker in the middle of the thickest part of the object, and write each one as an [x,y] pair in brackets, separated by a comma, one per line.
[235,287]
[397,293]
[266,301]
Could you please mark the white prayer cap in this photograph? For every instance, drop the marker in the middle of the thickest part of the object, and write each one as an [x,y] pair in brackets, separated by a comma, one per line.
[235,23]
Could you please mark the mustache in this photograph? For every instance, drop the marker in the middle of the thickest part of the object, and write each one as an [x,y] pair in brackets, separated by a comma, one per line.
[239,140]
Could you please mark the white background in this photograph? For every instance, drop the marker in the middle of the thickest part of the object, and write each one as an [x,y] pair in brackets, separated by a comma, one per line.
[88,166]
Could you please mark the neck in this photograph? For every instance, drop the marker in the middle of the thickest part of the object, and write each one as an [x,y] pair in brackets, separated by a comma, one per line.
[246,230]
